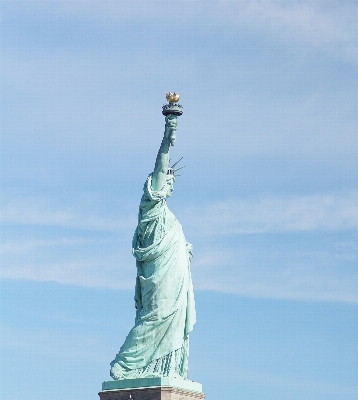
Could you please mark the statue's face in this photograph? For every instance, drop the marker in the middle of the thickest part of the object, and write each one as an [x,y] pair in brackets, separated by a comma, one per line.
[170,186]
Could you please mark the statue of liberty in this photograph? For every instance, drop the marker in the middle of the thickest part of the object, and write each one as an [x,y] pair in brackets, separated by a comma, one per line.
[158,344]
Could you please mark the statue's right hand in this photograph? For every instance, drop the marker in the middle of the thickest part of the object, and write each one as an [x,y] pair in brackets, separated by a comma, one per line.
[169,131]
[171,124]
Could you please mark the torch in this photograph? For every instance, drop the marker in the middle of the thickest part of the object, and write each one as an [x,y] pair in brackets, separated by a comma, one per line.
[172,111]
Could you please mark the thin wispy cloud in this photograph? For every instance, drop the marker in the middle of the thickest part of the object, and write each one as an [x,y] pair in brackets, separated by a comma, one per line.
[252,269]
[303,385]
[280,273]
[264,214]
[299,275]
[48,343]
[107,272]
[26,245]
[323,22]
[327,25]
[40,212]
[75,115]
[271,214]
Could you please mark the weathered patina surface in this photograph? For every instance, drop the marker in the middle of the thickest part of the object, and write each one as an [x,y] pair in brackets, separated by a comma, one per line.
[158,343]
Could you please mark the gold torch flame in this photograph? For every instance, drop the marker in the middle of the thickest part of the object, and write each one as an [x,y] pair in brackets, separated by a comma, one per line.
[172,97]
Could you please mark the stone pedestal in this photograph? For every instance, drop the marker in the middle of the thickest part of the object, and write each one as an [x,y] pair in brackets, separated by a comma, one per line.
[152,389]
[154,393]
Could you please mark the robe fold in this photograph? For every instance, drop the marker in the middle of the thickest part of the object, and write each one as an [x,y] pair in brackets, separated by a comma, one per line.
[157,345]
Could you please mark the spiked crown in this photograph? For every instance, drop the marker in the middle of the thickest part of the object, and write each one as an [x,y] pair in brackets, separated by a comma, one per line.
[171,170]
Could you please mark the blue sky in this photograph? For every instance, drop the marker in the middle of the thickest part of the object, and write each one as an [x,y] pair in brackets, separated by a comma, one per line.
[269,197]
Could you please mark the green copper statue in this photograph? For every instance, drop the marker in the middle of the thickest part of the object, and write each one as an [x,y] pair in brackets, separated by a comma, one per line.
[158,344]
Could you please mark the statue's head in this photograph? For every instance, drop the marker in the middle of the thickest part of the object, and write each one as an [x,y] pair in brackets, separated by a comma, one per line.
[170,179]
[170,185]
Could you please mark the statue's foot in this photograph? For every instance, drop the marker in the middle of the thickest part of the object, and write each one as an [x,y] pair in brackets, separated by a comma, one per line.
[116,371]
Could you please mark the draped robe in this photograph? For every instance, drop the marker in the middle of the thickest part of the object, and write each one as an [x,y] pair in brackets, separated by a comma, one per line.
[157,345]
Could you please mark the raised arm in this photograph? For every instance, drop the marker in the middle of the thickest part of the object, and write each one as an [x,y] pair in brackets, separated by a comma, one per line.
[162,161]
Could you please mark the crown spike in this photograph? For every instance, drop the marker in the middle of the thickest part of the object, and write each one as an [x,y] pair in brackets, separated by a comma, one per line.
[176,163]
[179,168]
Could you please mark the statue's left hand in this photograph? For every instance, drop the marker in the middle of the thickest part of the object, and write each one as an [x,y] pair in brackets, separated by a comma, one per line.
[189,249]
